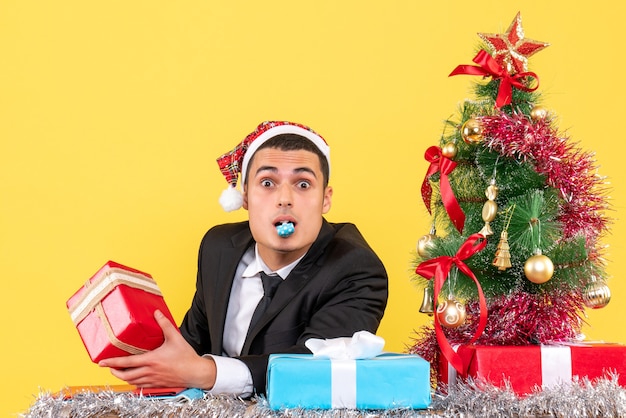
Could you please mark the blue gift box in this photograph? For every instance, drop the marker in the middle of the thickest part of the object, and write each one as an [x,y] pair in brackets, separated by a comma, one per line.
[387,381]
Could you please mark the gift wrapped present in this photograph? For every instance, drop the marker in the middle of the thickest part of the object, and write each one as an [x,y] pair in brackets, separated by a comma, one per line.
[348,375]
[532,367]
[114,312]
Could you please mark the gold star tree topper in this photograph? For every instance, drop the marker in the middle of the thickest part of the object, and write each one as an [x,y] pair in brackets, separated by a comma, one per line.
[511,49]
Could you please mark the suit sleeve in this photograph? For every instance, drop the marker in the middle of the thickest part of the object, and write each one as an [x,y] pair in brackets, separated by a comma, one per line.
[194,327]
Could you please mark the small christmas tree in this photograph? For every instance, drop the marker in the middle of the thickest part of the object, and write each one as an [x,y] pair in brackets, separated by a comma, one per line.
[514,254]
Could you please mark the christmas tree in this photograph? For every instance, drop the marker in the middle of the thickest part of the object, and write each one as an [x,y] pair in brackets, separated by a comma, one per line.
[514,255]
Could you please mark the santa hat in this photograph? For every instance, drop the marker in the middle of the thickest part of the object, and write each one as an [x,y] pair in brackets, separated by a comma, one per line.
[235,163]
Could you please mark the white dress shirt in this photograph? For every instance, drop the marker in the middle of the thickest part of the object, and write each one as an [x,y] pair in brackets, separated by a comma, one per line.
[233,376]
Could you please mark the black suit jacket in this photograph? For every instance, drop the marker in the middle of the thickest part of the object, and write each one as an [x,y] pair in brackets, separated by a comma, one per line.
[337,289]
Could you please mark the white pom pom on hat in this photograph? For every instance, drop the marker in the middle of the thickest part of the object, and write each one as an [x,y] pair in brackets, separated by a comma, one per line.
[231,199]
[234,163]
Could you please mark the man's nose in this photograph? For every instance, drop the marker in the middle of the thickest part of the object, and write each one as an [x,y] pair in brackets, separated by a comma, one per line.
[284,196]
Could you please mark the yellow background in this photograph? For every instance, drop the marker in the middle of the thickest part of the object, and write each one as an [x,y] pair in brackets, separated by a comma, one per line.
[112,114]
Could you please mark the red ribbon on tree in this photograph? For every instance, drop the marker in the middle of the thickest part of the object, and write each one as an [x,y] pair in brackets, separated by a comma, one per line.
[443,165]
[488,66]
[438,269]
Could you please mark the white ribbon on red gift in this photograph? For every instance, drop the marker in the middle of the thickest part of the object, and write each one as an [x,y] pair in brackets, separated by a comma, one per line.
[453,375]
[556,365]
[343,353]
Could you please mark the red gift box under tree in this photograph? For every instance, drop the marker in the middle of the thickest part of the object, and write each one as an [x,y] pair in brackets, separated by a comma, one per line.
[527,369]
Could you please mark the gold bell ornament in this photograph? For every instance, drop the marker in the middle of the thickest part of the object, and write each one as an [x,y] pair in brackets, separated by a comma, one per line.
[427,302]
[596,294]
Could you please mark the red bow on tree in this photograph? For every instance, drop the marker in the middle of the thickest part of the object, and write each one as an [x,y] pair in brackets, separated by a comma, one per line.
[488,66]
[443,165]
[438,268]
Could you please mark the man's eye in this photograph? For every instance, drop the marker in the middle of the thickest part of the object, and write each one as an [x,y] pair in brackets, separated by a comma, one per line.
[304,185]
[266,183]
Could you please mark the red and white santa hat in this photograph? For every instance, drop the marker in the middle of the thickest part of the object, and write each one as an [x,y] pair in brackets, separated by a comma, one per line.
[235,163]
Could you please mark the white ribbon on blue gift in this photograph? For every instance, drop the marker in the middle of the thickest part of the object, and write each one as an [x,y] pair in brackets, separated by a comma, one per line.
[343,353]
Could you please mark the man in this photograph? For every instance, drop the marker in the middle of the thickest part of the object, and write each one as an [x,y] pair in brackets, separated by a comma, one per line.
[329,283]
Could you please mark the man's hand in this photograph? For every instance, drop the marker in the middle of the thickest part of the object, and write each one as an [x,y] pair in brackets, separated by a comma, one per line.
[173,364]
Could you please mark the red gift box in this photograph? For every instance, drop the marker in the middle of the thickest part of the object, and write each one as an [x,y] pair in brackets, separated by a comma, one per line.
[114,312]
[527,368]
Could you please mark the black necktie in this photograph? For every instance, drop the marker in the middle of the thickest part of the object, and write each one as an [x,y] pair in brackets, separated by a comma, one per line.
[270,284]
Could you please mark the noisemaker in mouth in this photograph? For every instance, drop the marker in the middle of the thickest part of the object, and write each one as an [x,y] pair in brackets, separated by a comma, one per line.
[285,229]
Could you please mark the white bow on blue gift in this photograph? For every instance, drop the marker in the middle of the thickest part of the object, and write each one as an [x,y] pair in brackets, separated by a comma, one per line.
[361,345]
[343,353]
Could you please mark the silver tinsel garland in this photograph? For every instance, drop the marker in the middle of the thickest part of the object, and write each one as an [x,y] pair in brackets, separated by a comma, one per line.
[581,398]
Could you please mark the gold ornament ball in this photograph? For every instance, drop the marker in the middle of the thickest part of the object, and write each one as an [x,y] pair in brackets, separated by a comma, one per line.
[424,244]
[449,150]
[539,269]
[451,314]
[596,295]
[539,112]
[472,131]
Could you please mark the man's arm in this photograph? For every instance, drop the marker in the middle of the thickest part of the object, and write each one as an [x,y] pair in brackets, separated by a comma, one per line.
[174,364]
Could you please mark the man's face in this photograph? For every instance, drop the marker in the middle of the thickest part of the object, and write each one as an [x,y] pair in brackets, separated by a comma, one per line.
[285,186]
